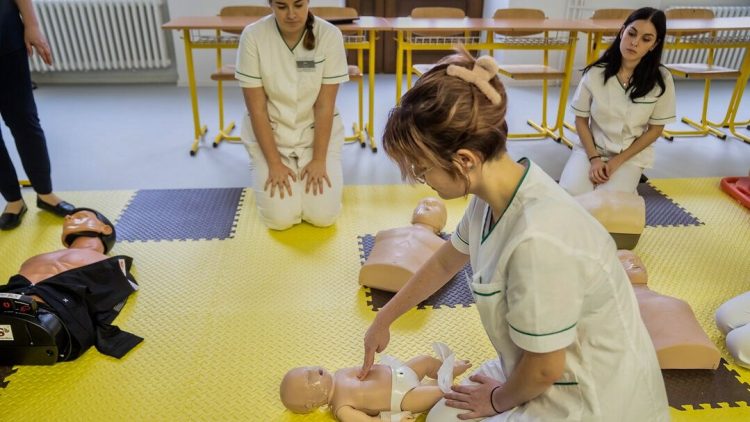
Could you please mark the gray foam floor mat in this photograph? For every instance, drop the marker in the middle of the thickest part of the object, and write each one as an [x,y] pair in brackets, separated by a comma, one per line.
[455,292]
[661,211]
[180,214]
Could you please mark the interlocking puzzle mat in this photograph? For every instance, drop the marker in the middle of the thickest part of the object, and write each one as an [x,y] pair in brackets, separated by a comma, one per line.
[223,320]
[662,211]
[455,293]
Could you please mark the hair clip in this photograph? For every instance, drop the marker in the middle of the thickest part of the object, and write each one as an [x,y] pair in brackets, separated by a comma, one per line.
[485,68]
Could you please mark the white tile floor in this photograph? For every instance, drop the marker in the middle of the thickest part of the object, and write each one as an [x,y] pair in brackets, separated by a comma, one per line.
[104,137]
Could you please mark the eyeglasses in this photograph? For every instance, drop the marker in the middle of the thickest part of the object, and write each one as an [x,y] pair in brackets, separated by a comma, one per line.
[419,175]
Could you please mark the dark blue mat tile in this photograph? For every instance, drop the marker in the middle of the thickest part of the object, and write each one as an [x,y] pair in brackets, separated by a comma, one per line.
[696,387]
[662,211]
[180,214]
[455,292]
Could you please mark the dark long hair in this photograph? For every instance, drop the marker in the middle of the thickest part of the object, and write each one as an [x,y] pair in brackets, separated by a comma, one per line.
[646,74]
[309,41]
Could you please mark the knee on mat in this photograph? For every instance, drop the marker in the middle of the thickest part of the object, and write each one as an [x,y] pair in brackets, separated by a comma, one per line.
[738,345]
[280,220]
[320,219]
[733,313]
[442,413]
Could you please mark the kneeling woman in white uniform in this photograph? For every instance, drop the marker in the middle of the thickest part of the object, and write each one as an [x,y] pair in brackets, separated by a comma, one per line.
[289,66]
[552,295]
[621,105]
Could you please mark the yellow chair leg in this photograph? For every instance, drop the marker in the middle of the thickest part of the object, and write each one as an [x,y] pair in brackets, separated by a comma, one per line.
[703,127]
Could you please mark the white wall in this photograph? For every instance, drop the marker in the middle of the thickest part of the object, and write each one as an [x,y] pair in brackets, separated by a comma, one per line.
[204,60]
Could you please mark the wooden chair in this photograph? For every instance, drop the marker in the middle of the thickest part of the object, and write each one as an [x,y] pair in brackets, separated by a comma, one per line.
[706,71]
[352,40]
[432,36]
[225,73]
[515,40]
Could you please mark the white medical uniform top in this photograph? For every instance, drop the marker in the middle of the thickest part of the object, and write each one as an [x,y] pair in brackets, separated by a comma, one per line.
[546,277]
[291,78]
[616,120]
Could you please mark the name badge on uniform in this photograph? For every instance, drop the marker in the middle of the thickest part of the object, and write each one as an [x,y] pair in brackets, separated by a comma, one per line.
[305,65]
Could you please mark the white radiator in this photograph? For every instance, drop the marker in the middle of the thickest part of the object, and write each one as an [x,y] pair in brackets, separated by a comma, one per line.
[727,57]
[95,35]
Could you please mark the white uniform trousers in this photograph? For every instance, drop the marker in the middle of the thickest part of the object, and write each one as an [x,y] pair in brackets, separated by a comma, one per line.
[575,175]
[320,210]
[733,319]
[442,413]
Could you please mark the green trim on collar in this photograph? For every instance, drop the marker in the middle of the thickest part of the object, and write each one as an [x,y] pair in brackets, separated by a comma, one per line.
[278,30]
[512,197]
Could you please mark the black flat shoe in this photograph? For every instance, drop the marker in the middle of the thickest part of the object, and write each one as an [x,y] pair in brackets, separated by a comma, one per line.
[11,221]
[61,209]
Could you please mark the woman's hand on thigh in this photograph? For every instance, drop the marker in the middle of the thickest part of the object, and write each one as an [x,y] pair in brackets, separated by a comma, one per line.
[316,174]
[278,177]
[476,398]
[598,172]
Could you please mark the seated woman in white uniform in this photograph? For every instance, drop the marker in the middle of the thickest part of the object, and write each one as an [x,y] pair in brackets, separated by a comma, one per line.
[289,65]
[552,296]
[393,391]
[621,105]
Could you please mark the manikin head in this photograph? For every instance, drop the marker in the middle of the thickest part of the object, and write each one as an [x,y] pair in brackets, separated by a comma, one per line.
[431,212]
[633,266]
[89,223]
[306,388]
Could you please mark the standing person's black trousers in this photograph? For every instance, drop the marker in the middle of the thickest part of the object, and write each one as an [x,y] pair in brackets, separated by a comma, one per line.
[18,111]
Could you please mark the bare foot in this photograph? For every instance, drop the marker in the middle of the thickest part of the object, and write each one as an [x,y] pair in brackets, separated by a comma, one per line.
[460,366]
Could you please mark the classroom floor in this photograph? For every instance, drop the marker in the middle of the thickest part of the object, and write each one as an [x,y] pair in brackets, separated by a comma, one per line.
[104,137]
[225,313]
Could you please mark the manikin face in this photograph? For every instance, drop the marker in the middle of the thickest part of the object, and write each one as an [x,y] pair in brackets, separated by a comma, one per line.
[431,212]
[306,389]
[290,15]
[637,40]
[633,266]
[83,221]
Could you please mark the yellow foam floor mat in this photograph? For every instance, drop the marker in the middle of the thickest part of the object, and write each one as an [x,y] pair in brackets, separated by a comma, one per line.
[223,320]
